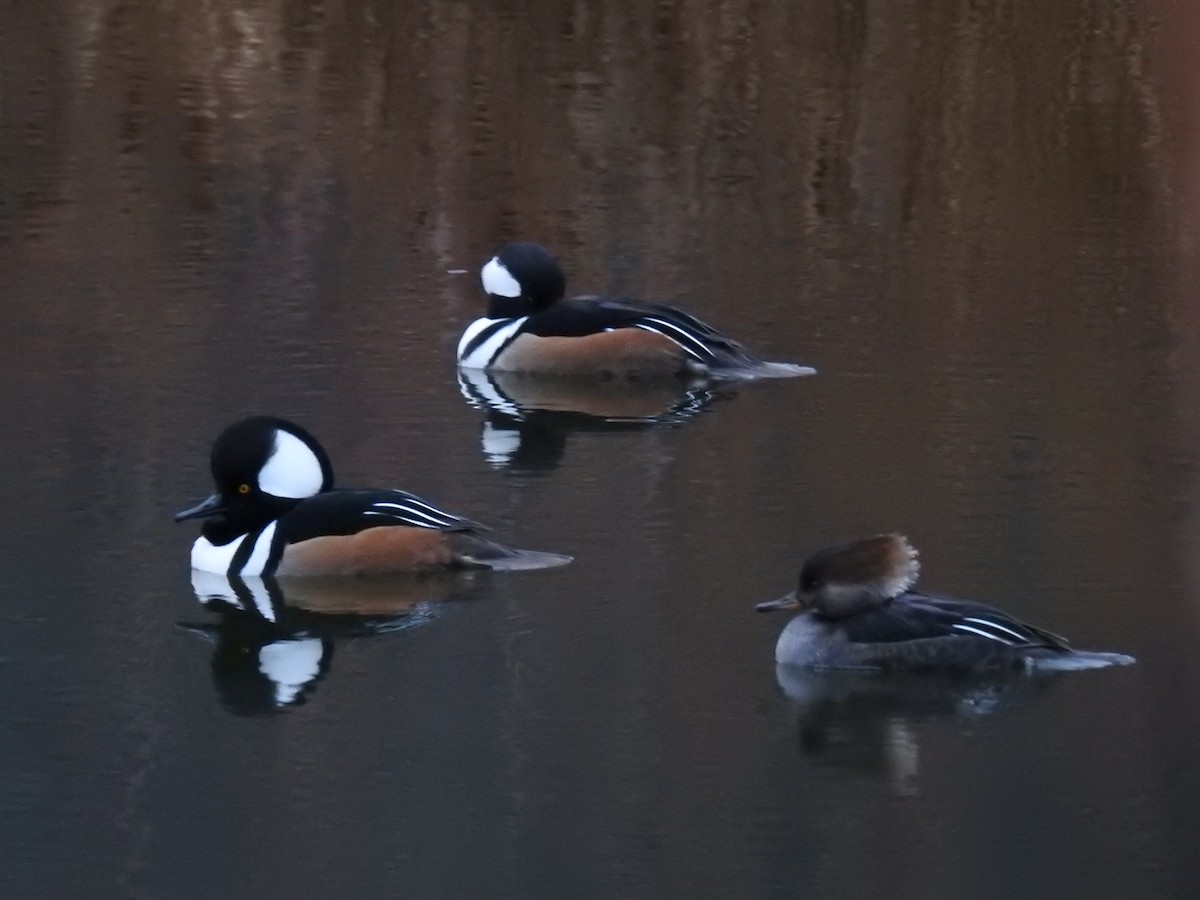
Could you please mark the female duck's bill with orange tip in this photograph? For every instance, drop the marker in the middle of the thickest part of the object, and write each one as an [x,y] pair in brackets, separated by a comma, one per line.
[275,512]
[858,610]
[531,327]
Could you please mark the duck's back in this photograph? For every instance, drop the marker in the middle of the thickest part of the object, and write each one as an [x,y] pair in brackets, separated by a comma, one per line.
[620,336]
[917,631]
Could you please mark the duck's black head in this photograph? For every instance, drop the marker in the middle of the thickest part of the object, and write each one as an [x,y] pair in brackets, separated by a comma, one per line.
[521,279]
[261,467]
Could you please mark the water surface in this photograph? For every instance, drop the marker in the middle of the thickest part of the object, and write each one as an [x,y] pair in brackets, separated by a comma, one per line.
[974,220]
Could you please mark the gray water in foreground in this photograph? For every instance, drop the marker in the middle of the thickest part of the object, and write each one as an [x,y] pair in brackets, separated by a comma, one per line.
[973,220]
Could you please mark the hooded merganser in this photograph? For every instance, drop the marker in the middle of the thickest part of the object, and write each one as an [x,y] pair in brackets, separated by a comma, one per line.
[859,611]
[275,513]
[531,327]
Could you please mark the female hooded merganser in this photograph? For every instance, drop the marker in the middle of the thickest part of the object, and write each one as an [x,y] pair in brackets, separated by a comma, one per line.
[275,512]
[859,611]
[530,327]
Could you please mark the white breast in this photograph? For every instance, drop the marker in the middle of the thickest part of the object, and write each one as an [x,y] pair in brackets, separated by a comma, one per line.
[208,557]
[483,355]
[806,641]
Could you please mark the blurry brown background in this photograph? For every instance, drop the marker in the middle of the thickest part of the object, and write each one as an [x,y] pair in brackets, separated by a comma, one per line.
[975,219]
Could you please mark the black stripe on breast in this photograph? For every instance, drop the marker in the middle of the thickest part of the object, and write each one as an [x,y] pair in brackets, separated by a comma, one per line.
[274,555]
[242,555]
[483,336]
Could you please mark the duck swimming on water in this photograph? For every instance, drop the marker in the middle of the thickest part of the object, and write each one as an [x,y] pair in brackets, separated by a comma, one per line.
[859,611]
[531,327]
[275,512]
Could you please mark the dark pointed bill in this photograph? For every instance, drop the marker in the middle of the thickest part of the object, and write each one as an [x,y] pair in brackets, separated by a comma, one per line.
[787,601]
[209,507]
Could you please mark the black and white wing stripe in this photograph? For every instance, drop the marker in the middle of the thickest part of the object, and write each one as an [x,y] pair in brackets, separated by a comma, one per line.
[590,314]
[914,616]
[350,511]
[1000,631]
[691,345]
[402,508]
[699,340]
[981,621]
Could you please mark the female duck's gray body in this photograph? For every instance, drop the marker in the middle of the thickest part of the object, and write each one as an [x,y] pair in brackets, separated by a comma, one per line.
[859,612]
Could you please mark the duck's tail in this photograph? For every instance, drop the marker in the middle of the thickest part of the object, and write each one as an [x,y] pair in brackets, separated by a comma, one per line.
[474,551]
[520,560]
[1077,660]
[750,370]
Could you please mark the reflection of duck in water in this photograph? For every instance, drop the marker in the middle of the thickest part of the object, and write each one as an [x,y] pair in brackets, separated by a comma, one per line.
[531,326]
[867,723]
[858,610]
[529,417]
[271,648]
[276,512]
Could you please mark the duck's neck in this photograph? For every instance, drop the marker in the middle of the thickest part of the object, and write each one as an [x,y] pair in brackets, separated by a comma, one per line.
[841,601]
[507,307]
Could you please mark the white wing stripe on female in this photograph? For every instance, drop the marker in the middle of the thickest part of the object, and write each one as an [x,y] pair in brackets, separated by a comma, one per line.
[982,633]
[988,623]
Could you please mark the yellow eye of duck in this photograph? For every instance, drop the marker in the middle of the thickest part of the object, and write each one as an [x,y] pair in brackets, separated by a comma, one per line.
[243,488]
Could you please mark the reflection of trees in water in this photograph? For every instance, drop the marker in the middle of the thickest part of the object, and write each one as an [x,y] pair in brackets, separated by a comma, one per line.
[662,125]
[880,188]
[901,187]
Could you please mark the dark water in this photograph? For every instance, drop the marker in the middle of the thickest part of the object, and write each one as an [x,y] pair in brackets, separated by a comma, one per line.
[976,220]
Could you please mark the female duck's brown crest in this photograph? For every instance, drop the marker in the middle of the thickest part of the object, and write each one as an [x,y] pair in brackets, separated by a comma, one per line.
[851,578]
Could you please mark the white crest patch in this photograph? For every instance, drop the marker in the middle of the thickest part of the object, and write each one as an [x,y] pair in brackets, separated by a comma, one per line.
[498,280]
[290,665]
[293,471]
[484,355]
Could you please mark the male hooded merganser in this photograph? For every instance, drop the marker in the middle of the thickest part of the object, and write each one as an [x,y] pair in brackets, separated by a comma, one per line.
[530,327]
[275,512]
[859,611]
